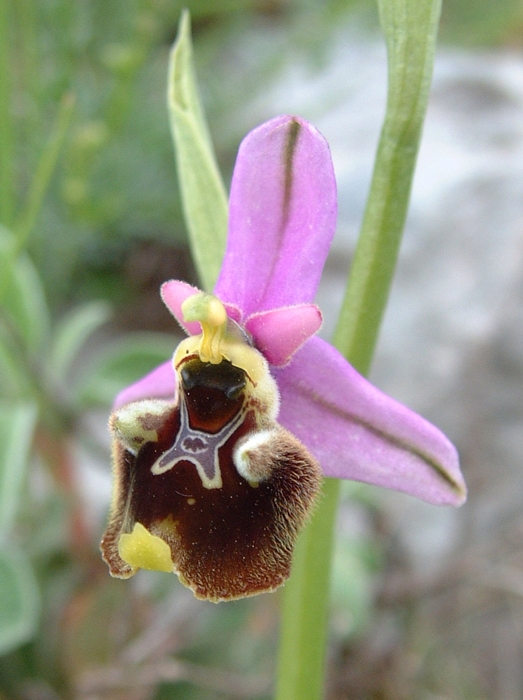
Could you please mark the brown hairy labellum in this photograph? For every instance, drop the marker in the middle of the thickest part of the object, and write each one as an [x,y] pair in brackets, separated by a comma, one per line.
[209,486]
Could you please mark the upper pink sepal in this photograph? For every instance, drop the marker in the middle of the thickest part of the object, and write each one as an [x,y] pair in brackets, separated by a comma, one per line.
[279,333]
[357,432]
[174,293]
[158,384]
[282,217]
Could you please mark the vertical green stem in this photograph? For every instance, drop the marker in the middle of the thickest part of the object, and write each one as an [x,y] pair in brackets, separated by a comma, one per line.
[410,28]
[304,623]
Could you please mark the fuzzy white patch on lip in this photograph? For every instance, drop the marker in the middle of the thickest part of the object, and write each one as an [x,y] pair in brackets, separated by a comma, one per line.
[137,423]
[252,455]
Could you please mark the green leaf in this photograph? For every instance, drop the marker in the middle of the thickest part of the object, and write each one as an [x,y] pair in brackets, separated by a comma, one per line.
[19,600]
[71,334]
[22,297]
[123,363]
[204,197]
[17,424]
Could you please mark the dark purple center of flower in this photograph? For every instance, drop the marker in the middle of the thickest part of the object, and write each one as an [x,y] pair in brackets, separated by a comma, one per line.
[211,403]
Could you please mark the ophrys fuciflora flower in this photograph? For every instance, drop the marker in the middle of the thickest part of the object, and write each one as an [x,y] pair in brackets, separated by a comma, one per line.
[218,455]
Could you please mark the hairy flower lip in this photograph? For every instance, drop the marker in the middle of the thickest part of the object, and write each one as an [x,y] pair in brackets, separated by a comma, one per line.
[281,224]
[209,486]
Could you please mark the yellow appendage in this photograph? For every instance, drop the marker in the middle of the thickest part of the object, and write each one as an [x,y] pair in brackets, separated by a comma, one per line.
[211,314]
[145,551]
[217,340]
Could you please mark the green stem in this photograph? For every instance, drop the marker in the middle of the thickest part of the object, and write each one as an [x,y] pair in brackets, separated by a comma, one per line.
[304,623]
[410,27]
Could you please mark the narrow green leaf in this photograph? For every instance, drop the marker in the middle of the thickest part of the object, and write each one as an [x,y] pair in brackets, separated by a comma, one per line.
[204,196]
[19,600]
[17,423]
[22,297]
[71,334]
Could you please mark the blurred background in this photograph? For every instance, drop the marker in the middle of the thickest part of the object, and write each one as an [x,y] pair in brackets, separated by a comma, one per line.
[427,603]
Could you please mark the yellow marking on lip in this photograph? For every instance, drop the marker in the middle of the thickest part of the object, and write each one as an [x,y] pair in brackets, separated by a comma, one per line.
[145,551]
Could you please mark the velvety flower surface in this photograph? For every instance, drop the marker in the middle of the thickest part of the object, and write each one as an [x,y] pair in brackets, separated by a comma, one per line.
[281,223]
[282,220]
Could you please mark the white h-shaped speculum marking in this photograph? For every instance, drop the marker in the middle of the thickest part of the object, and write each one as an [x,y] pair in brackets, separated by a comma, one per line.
[198,447]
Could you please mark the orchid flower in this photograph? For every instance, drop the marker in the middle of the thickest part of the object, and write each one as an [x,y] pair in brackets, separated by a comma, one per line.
[218,455]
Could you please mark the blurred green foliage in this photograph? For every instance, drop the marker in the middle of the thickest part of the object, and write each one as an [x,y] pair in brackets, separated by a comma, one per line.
[115,184]
[90,224]
[481,23]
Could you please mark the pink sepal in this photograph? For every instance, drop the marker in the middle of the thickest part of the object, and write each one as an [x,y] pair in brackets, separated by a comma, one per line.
[357,432]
